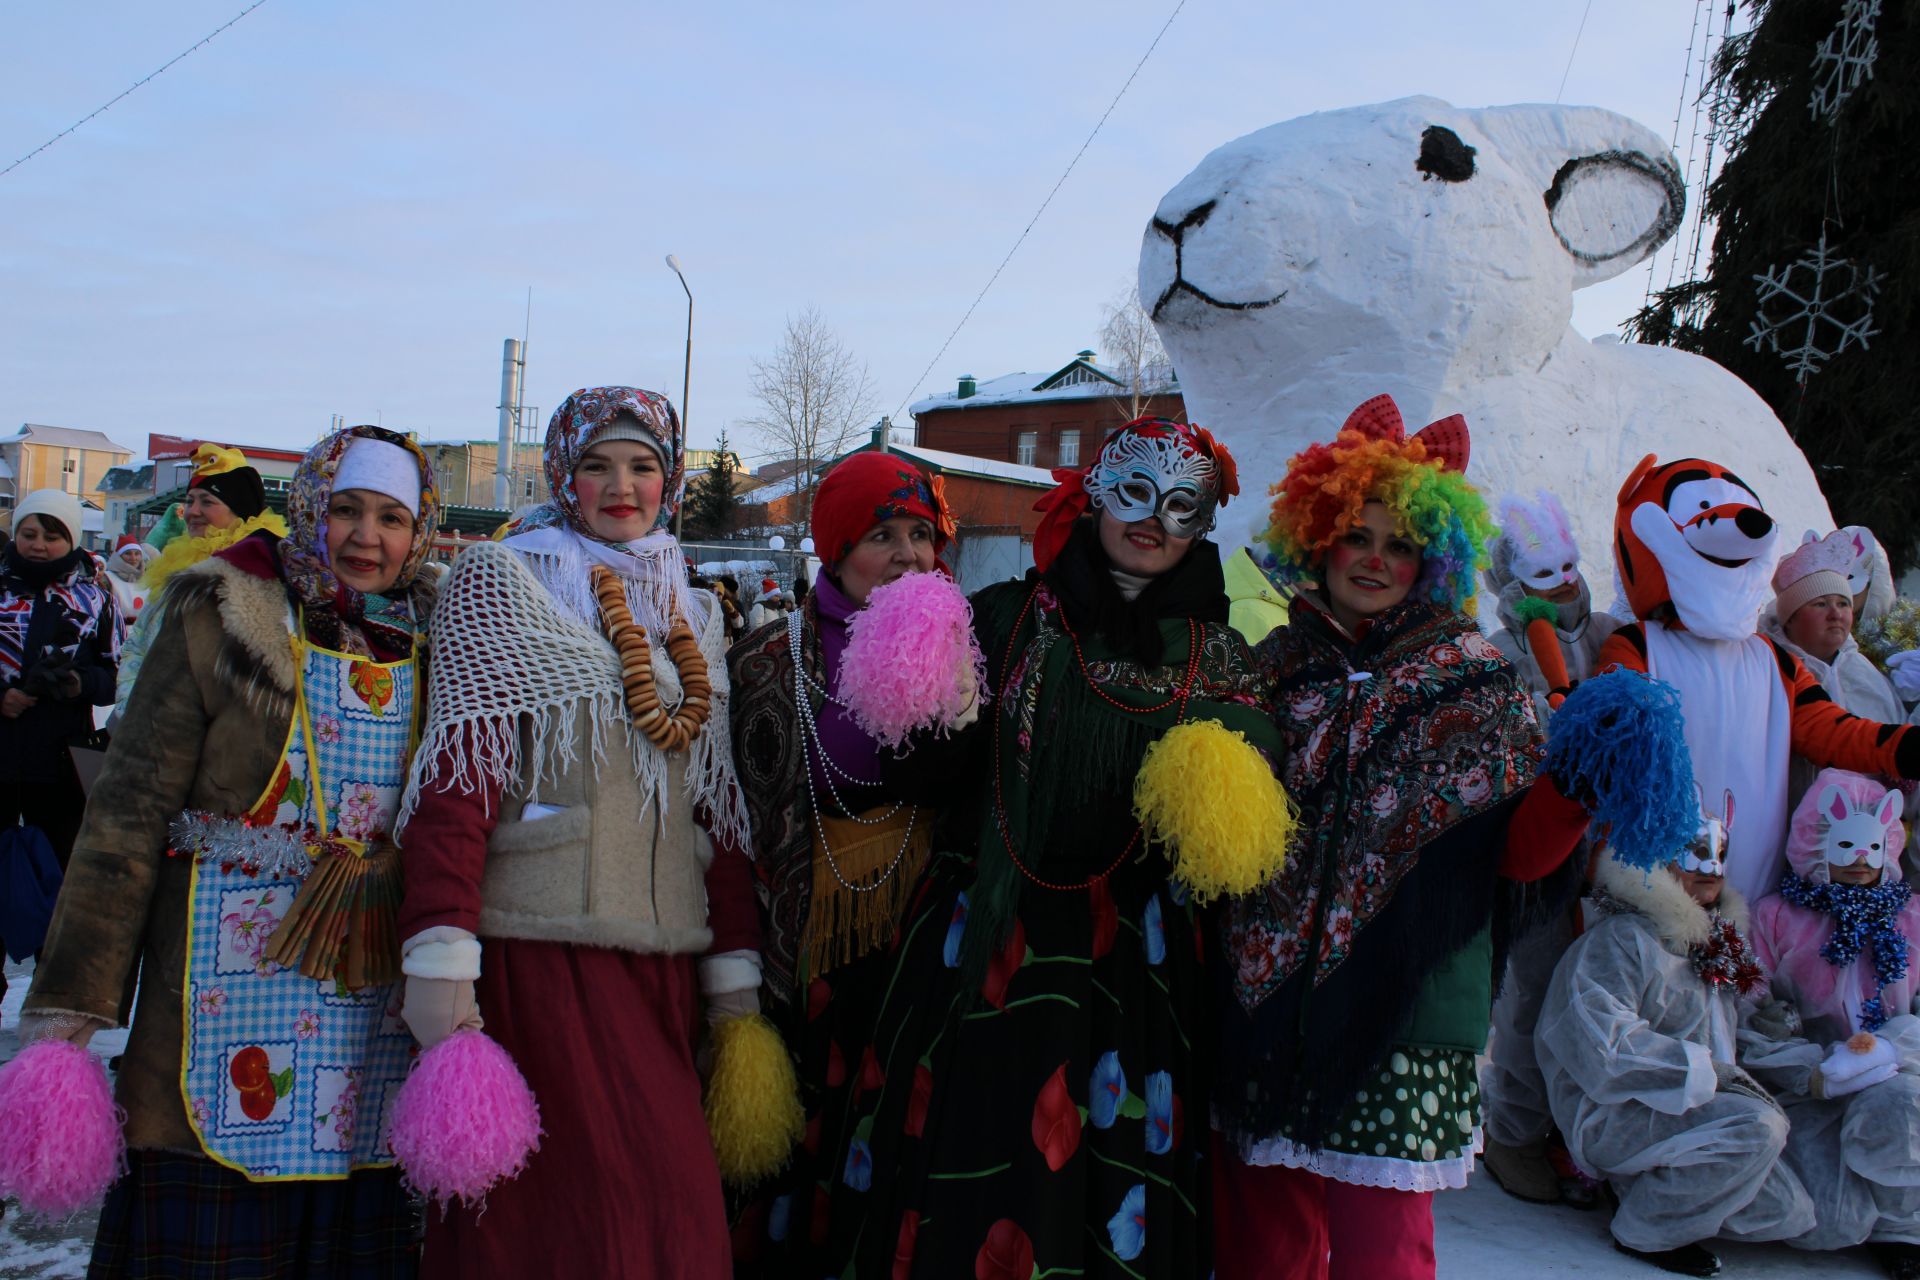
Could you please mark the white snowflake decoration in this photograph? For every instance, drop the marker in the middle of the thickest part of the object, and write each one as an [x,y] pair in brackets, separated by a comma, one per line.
[1848,311]
[1844,60]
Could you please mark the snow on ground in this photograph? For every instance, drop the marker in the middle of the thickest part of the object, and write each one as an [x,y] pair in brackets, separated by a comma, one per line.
[1481,1233]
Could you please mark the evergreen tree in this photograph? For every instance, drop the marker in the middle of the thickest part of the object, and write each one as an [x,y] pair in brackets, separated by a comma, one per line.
[710,508]
[1801,172]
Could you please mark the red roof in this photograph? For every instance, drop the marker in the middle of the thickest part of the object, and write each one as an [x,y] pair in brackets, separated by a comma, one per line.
[169,448]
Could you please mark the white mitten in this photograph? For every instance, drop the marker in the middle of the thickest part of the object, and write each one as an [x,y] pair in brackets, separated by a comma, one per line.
[1904,669]
[1847,1067]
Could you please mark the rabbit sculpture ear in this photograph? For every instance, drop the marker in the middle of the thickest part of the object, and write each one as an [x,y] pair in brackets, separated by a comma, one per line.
[1613,208]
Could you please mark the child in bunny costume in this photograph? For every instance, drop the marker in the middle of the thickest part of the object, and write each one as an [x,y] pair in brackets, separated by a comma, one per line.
[1534,558]
[1835,942]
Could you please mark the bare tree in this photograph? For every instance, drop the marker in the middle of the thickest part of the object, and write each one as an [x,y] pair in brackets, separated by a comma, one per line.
[814,395]
[1130,347]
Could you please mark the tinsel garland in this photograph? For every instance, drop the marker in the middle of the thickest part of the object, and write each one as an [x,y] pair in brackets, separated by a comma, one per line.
[1861,913]
[1725,957]
[1896,631]
[277,852]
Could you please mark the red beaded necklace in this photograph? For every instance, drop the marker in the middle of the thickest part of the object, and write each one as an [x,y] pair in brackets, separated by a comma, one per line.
[999,794]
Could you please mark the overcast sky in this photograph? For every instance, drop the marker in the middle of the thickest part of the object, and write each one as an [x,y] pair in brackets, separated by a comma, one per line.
[338,207]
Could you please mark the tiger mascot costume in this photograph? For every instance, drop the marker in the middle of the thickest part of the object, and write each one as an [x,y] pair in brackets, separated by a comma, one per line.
[1695,550]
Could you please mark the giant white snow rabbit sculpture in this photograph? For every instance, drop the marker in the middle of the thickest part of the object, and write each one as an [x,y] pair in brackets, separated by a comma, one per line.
[1431,252]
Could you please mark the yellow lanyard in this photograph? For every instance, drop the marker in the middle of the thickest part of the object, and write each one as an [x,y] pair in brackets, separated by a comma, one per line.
[314,785]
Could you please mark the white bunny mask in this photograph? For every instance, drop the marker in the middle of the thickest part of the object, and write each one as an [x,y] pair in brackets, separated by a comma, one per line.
[1853,834]
[1538,542]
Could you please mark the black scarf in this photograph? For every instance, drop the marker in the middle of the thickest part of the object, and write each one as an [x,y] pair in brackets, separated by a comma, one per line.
[1082,578]
[35,576]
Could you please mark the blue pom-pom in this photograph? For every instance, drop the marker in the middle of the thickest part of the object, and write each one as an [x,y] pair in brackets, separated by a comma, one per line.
[1616,744]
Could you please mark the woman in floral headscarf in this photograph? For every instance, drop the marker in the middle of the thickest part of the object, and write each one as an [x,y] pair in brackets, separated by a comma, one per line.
[574,848]
[838,842]
[239,851]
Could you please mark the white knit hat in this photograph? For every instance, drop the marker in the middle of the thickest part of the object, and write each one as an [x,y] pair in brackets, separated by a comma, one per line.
[382,467]
[1817,567]
[53,503]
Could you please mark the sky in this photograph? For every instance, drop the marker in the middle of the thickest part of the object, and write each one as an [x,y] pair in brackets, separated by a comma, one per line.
[339,208]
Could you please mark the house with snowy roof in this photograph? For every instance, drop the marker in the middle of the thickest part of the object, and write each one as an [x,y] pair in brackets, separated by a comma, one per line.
[43,457]
[1043,420]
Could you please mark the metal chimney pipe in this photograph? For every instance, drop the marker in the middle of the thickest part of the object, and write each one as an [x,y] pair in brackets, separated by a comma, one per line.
[510,367]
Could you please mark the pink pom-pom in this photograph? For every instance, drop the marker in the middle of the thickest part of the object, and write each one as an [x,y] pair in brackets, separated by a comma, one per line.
[464,1121]
[911,660]
[60,1139]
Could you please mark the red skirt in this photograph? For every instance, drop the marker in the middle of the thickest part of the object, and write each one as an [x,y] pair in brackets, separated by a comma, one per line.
[624,1184]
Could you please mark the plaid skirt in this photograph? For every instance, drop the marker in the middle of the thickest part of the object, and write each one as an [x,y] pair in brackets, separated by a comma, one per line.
[178,1217]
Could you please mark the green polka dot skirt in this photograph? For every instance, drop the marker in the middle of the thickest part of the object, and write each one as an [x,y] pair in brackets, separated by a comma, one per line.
[1423,1105]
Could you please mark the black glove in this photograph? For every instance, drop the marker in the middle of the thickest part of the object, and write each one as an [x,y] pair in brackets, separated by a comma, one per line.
[49,678]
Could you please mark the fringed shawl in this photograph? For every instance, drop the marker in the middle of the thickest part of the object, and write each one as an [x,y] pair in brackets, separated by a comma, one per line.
[507,652]
[1405,753]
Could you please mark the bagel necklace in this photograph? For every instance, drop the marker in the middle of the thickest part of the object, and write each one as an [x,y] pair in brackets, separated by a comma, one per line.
[667,732]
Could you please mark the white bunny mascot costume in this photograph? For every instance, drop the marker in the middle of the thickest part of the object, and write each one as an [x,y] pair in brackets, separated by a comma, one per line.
[1536,554]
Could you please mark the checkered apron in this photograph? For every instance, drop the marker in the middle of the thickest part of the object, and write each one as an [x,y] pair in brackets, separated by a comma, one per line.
[286,1077]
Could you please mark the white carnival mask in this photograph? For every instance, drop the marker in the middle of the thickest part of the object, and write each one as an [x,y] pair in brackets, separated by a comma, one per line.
[1707,855]
[1853,834]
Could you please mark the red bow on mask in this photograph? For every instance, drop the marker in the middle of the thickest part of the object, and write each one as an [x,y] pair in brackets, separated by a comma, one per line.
[1446,440]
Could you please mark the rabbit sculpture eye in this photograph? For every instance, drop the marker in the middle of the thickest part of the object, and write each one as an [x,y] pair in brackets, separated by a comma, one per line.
[1444,156]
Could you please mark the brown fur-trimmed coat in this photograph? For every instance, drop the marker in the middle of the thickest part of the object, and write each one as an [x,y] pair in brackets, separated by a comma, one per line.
[204,729]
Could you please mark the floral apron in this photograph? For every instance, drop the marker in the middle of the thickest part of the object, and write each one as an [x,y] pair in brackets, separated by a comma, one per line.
[286,1076]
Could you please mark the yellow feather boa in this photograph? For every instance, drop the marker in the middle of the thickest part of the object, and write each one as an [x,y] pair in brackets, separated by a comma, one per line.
[184,552]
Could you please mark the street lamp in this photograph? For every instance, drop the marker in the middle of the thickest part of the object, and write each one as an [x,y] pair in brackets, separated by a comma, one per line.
[686,379]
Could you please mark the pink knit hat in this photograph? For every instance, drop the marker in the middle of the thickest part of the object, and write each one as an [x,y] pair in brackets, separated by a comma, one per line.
[1817,567]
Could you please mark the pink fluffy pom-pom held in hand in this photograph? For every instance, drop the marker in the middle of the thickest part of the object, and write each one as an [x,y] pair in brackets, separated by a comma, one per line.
[911,660]
[60,1139]
[464,1121]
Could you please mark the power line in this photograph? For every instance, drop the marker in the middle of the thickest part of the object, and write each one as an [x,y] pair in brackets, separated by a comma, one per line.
[1561,92]
[1043,207]
[135,85]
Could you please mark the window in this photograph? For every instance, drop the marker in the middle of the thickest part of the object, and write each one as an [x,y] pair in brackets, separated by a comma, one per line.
[1026,447]
[528,495]
[68,466]
[1070,448]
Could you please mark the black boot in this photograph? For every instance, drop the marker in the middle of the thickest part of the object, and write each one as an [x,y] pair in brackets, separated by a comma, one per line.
[1901,1261]
[1687,1260]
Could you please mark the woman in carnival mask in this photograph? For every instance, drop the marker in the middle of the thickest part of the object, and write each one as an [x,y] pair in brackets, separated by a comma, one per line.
[1025,1102]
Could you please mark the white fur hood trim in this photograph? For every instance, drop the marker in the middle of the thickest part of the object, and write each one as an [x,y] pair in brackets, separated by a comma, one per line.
[1675,917]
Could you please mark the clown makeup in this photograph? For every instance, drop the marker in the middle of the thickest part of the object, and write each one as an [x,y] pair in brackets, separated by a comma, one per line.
[619,484]
[1142,474]
[1370,568]
[891,549]
[1142,548]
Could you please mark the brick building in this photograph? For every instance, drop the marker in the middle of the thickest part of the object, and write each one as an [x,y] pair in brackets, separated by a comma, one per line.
[1042,420]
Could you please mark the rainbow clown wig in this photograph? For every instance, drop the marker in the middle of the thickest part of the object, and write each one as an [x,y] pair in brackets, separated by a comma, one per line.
[1421,479]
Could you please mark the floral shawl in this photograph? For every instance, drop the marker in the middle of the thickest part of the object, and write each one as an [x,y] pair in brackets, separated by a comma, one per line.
[1403,747]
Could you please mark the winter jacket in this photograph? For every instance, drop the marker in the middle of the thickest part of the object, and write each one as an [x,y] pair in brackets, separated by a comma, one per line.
[1254,607]
[73,618]
[204,730]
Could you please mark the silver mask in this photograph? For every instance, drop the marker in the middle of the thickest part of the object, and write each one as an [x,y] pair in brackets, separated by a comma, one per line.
[1138,475]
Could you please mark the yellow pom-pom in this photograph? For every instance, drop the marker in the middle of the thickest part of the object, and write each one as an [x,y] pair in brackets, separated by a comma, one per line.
[753,1100]
[1205,792]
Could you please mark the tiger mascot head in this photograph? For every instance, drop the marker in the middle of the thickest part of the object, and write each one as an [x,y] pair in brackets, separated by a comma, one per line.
[1694,547]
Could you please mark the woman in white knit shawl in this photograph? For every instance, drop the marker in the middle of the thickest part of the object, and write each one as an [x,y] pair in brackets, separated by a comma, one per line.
[577,886]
